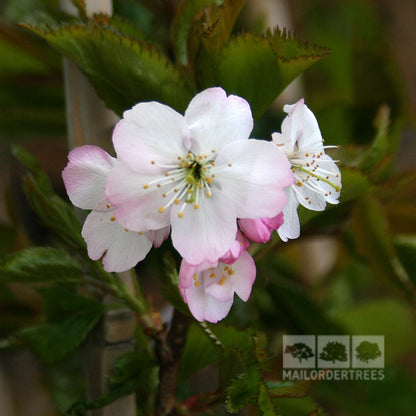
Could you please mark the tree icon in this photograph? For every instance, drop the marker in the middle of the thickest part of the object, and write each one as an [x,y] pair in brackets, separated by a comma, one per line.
[300,351]
[367,351]
[334,351]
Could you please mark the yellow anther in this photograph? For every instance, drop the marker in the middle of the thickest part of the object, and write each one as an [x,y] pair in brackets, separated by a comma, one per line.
[212,275]
[208,194]
[307,155]
[196,206]
[196,283]
[194,276]
[231,272]
[140,233]
[113,218]
[164,195]
[146,186]
[180,214]
[176,201]
[108,205]
[159,185]
[209,180]
[226,268]
[299,183]
[166,173]
[222,281]
[161,209]
[153,162]
[126,229]
[190,190]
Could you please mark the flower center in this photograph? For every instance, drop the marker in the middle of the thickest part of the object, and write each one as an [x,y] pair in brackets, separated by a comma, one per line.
[186,181]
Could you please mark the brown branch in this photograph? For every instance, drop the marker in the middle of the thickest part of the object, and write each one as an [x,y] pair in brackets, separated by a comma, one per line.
[169,348]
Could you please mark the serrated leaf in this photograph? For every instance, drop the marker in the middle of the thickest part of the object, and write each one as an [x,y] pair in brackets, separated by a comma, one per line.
[53,212]
[136,371]
[244,389]
[182,26]
[70,317]
[264,402]
[232,365]
[259,68]
[40,264]
[123,70]
[374,242]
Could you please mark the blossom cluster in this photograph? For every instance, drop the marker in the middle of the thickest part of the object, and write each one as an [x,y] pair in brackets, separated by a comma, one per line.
[200,178]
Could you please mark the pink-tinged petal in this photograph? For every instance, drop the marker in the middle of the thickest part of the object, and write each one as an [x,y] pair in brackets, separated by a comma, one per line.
[291,226]
[223,281]
[206,233]
[204,307]
[85,176]
[188,271]
[253,174]
[158,236]
[137,203]
[244,276]
[215,120]
[122,249]
[218,283]
[259,230]
[149,136]
[240,244]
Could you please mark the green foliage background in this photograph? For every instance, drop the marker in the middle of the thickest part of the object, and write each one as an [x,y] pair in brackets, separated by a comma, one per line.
[144,52]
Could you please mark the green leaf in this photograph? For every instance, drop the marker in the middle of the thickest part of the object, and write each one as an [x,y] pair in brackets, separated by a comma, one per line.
[232,365]
[40,264]
[406,251]
[244,389]
[290,301]
[53,212]
[170,286]
[387,317]
[70,317]
[259,68]
[266,406]
[183,25]
[382,151]
[136,371]
[123,70]
[374,242]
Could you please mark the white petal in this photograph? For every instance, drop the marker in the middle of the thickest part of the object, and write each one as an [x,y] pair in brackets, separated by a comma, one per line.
[151,132]
[122,249]
[215,120]
[85,176]
[206,233]
[205,307]
[158,236]
[291,226]
[137,205]
[253,174]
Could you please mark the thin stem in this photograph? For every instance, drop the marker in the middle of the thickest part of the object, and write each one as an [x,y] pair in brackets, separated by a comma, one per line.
[211,336]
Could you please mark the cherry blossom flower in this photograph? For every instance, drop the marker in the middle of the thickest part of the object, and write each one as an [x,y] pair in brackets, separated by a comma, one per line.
[197,173]
[317,177]
[209,288]
[85,178]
